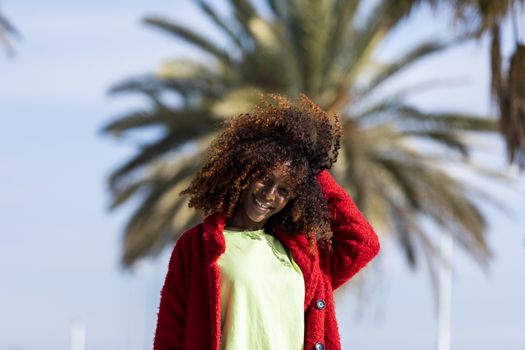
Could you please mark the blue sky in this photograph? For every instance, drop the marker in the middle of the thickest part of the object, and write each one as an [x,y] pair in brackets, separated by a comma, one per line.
[60,246]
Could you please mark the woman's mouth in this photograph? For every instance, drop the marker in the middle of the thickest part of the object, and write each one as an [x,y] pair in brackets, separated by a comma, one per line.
[260,206]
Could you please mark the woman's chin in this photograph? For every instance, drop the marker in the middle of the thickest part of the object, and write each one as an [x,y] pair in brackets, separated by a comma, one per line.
[257,217]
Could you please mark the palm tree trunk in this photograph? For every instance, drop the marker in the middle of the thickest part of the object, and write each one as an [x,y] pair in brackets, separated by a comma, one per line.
[445,292]
[78,335]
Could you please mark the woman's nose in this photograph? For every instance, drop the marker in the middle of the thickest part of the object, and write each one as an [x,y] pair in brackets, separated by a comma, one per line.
[269,193]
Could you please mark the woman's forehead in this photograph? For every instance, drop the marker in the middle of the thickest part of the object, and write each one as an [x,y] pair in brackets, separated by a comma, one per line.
[283,171]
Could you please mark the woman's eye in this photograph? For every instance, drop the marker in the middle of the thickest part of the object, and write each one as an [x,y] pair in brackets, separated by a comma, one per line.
[284,191]
[266,181]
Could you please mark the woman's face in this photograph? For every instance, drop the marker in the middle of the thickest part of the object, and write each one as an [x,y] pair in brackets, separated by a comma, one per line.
[264,198]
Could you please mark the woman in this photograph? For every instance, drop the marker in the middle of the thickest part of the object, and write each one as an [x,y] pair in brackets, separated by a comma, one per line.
[278,236]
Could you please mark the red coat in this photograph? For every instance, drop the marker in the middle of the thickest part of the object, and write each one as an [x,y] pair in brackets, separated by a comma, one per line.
[189,313]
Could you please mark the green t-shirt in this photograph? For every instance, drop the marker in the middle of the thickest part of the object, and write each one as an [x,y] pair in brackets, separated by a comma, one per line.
[262,294]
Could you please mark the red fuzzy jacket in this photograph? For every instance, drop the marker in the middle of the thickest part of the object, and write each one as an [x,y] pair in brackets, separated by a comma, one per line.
[189,312]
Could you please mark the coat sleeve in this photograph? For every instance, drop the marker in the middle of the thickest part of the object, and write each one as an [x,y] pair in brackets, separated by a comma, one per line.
[169,333]
[354,242]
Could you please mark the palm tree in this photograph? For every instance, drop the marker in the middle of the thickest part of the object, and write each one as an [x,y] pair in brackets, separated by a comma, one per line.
[486,18]
[322,49]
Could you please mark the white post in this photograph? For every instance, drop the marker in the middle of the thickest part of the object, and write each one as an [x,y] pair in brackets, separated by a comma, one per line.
[78,335]
[445,291]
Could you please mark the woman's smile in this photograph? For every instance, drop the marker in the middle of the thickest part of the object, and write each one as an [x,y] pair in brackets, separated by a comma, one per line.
[259,208]
[260,205]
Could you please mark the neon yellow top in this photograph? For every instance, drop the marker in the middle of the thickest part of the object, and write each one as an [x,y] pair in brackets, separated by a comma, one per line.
[262,294]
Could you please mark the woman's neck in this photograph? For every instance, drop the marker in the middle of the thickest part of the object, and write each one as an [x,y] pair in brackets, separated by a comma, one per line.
[238,222]
[236,228]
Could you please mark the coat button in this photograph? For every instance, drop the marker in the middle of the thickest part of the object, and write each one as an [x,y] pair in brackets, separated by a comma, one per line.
[320,304]
[319,346]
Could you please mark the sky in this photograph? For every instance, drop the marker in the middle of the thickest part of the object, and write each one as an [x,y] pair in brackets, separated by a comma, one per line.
[60,245]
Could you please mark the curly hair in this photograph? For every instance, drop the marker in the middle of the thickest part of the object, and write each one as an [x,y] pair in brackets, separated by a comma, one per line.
[274,132]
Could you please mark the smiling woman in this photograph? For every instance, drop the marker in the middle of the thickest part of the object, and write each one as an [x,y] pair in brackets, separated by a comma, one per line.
[278,236]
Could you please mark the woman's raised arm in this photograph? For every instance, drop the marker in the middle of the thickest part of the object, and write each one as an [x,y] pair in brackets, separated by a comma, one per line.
[354,241]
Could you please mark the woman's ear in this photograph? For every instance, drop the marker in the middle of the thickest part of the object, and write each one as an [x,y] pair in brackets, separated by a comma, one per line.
[296,213]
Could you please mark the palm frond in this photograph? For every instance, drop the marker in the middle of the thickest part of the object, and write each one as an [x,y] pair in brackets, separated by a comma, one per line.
[447,139]
[7,31]
[221,23]
[341,30]
[412,118]
[309,28]
[357,50]
[405,234]
[497,83]
[401,172]
[271,54]
[137,119]
[189,125]
[421,51]
[277,9]
[150,226]
[513,122]
[189,36]
[243,12]
[235,102]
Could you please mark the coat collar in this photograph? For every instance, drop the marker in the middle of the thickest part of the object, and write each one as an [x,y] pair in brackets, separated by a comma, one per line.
[305,257]
[213,236]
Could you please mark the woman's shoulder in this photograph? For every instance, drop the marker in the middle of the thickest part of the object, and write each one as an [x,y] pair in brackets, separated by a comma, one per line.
[190,234]
[206,235]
